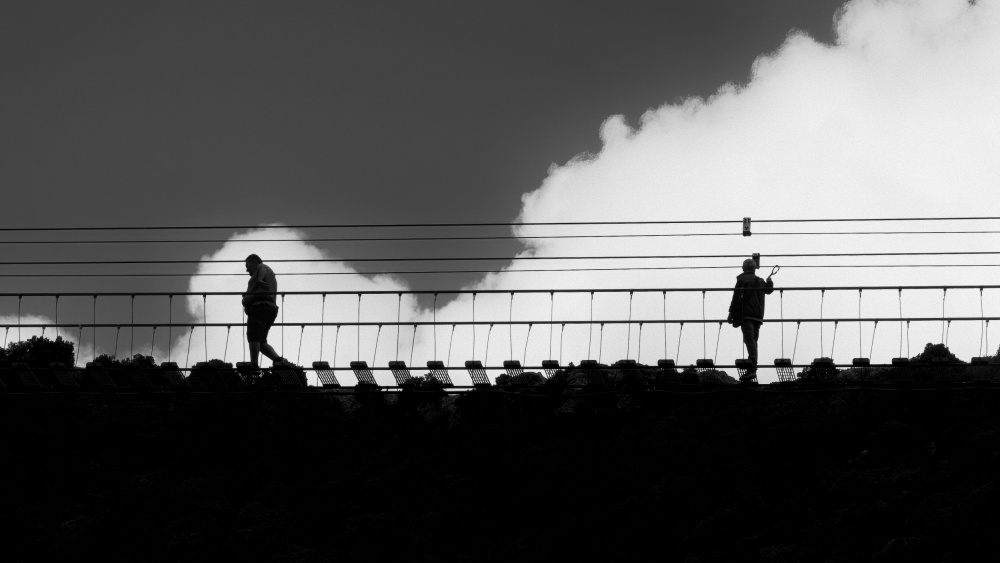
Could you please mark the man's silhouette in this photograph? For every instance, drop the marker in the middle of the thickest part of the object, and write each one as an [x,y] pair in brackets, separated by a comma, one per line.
[261,307]
[747,309]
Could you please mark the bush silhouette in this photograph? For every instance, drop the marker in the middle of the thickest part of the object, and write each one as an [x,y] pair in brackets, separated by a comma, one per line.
[39,352]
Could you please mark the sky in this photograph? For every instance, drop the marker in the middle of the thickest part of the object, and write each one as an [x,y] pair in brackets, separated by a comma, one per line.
[249,114]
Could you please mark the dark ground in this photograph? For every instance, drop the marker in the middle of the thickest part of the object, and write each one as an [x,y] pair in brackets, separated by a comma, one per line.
[728,476]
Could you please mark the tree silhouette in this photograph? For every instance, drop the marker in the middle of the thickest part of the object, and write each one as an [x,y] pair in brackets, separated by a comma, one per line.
[39,352]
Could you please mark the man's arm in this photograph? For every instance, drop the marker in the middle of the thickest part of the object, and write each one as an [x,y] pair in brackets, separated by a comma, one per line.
[770,286]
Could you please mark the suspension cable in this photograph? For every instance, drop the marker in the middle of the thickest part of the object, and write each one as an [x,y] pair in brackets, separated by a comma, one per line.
[638,354]
[833,346]
[399,311]
[600,346]
[628,338]
[781,305]
[900,322]
[944,296]
[486,358]
[861,352]
[117,332]
[451,339]
[302,335]
[664,325]
[524,357]
[336,344]
[510,327]
[375,353]
[717,338]
[225,350]
[322,327]
[473,325]
[590,339]
[187,359]
[205,309]
[679,334]
[413,343]
[562,332]
[552,308]
[482,224]
[704,327]
[982,313]
[795,347]
[871,350]
[822,295]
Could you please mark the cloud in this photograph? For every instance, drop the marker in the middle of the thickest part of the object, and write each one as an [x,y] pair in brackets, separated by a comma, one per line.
[899,117]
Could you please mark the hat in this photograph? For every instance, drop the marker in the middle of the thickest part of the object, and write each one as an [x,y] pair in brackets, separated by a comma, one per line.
[749,265]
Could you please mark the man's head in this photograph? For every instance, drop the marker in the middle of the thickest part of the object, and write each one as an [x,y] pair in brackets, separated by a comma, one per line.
[749,265]
[252,262]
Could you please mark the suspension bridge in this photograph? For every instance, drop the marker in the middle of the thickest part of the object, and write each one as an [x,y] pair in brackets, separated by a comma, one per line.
[654,335]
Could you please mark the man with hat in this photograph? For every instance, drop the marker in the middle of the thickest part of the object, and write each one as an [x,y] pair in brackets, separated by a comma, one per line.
[747,309]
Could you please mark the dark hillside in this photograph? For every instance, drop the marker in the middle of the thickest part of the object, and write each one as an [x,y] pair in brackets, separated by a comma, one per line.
[733,475]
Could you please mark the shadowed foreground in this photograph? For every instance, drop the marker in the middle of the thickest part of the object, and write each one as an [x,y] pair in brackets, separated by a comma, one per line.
[726,476]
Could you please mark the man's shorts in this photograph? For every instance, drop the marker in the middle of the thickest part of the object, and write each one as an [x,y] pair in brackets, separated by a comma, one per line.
[260,317]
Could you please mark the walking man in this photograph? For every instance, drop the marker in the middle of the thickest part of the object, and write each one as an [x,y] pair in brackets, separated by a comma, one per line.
[261,307]
[747,309]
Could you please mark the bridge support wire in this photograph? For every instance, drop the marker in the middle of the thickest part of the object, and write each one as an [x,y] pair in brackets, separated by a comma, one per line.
[118,331]
[204,308]
[302,334]
[717,338]
[524,357]
[944,296]
[322,325]
[664,324]
[225,349]
[628,338]
[187,359]
[822,344]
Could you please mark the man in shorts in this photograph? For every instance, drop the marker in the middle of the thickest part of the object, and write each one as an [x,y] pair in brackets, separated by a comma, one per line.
[261,308]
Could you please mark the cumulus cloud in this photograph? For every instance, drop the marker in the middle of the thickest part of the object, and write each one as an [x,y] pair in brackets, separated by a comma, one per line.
[897,118]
